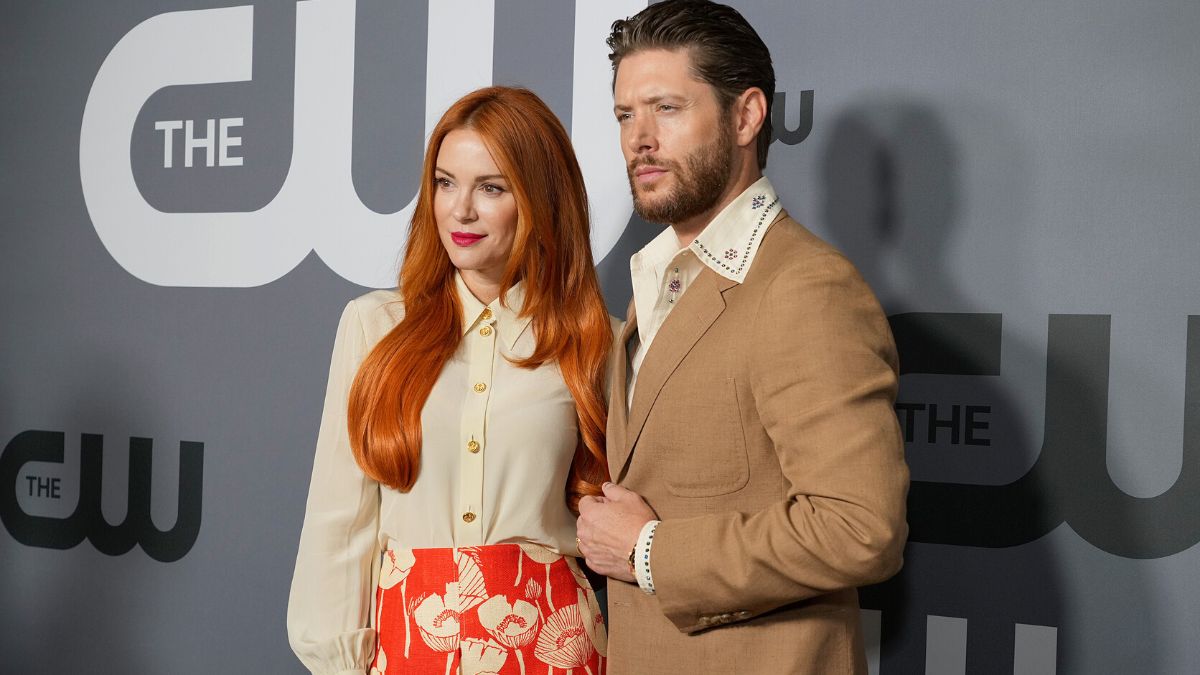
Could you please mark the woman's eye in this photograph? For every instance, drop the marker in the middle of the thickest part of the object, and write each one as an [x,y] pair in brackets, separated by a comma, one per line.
[491,189]
[442,183]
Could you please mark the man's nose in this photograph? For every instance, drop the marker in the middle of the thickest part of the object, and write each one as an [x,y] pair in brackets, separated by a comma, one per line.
[643,134]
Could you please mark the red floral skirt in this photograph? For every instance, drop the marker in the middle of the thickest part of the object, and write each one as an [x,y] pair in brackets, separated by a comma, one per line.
[503,609]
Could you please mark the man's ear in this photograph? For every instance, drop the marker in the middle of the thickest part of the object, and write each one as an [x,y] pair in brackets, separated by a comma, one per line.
[750,110]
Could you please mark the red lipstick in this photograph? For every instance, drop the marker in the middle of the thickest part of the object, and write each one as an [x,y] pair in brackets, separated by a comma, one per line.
[465,238]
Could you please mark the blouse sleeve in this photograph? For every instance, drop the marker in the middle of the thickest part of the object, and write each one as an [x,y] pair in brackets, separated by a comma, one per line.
[329,610]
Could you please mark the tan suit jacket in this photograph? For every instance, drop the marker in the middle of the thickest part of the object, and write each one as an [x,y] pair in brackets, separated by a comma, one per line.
[762,432]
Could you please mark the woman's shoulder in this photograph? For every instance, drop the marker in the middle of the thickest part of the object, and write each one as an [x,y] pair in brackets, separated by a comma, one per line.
[377,311]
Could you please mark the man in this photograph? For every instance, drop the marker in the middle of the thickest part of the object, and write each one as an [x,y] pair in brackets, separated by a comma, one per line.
[758,462]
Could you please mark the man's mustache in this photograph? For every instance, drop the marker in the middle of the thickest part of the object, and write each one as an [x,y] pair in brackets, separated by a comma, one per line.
[651,161]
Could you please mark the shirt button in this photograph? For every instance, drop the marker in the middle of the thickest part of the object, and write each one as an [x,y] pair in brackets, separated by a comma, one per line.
[480,387]
[473,446]
[485,331]
[468,517]
[487,314]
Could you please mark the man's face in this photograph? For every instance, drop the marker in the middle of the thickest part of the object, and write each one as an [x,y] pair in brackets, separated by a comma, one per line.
[677,142]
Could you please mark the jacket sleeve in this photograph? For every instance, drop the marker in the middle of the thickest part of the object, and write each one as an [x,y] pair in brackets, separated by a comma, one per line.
[329,616]
[823,372]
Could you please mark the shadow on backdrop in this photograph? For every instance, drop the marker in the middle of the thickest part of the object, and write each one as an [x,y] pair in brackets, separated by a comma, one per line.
[892,200]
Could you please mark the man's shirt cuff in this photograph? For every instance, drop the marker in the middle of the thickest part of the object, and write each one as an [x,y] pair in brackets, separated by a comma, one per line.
[641,557]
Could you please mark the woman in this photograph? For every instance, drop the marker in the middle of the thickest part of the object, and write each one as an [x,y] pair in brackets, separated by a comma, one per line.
[458,408]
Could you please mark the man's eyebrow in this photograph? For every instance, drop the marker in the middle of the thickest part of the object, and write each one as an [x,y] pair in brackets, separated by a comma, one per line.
[650,100]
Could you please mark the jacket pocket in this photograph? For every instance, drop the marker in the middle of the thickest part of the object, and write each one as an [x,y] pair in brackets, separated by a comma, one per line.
[704,444]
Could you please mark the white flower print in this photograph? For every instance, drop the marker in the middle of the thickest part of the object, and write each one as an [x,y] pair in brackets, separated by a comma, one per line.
[533,590]
[593,620]
[471,588]
[589,608]
[513,625]
[398,562]
[482,658]
[438,620]
[545,556]
[564,642]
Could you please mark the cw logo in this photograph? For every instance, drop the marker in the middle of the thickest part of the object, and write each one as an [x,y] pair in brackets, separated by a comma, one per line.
[317,208]
[87,521]
[1070,481]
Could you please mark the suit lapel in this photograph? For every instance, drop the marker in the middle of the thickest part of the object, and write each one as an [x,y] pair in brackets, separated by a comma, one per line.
[699,307]
[617,395]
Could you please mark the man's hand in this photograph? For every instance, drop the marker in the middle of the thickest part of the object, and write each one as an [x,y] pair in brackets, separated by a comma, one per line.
[608,529]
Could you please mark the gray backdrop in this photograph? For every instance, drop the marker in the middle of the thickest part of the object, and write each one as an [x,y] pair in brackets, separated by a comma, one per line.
[1017,181]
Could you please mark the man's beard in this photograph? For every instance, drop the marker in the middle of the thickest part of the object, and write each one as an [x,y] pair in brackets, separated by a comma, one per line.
[697,189]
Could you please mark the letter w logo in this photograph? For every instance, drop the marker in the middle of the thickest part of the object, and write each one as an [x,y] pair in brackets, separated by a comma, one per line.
[88,521]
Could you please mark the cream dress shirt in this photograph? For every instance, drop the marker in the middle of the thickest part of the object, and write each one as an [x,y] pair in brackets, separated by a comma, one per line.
[497,447]
[662,272]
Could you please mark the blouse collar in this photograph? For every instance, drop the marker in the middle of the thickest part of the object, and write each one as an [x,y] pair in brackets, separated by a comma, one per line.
[504,316]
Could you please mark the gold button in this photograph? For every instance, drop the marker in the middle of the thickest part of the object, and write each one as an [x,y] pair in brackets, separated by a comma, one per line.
[480,387]
[473,446]
[487,314]
[485,331]
[468,517]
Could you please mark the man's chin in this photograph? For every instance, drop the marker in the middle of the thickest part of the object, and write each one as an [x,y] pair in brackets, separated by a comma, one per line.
[651,199]
[651,213]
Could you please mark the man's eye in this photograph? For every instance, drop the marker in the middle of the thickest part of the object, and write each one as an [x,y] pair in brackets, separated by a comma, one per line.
[624,117]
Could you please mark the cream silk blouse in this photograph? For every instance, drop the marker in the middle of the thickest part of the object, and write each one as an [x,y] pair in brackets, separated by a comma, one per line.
[498,444]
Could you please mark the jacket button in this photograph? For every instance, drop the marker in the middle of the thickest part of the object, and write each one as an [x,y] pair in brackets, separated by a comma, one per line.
[480,387]
[473,446]
[485,331]
[468,517]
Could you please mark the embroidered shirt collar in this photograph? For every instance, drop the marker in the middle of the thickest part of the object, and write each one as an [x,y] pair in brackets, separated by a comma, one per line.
[729,243]
[505,317]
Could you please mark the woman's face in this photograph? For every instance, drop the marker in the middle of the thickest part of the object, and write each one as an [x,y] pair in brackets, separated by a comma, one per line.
[474,206]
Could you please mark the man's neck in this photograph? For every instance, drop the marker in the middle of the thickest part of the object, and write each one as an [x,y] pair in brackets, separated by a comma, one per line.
[687,231]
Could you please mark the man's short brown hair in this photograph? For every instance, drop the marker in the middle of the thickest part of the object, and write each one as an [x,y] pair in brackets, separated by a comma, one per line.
[725,50]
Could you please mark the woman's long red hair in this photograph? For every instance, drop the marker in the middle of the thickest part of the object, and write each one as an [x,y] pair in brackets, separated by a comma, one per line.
[551,254]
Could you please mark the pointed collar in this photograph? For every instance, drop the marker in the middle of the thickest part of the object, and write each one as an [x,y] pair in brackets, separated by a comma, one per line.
[729,243]
[505,317]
